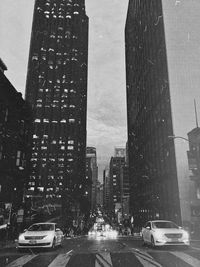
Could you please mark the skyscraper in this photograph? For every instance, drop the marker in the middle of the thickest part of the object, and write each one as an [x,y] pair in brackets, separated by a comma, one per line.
[116,163]
[160,58]
[57,90]
[92,173]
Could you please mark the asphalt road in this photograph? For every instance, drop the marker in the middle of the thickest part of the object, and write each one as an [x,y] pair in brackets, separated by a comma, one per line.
[85,252]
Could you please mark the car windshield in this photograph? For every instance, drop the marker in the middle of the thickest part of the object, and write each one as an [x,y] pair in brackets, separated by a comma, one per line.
[164,225]
[41,227]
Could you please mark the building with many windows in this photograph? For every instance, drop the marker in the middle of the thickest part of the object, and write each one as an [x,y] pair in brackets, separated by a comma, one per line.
[125,190]
[106,189]
[162,74]
[15,123]
[57,90]
[116,163]
[92,175]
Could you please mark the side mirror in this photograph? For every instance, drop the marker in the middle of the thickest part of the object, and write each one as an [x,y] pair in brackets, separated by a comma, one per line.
[25,230]
[148,227]
[57,229]
[180,227]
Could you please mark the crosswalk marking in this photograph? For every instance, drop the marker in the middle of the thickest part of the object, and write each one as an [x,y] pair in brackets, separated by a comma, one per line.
[61,260]
[142,253]
[103,260]
[145,263]
[21,261]
[187,258]
[146,260]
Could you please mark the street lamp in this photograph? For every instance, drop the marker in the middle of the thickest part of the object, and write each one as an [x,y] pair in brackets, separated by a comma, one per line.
[193,154]
[176,137]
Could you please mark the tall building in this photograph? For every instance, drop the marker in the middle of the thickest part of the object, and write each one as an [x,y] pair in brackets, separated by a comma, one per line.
[116,163]
[57,90]
[162,66]
[106,189]
[99,195]
[92,171]
[15,123]
[125,190]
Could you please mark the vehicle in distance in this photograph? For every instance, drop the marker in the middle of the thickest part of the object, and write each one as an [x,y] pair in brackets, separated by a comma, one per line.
[161,232]
[102,231]
[45,235]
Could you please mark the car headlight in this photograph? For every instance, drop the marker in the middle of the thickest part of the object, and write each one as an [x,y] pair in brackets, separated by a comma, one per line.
[21,237]
[186,235]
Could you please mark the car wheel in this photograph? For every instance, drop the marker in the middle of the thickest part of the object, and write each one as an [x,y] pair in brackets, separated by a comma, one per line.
[53,244]
[152,242]
[143,242]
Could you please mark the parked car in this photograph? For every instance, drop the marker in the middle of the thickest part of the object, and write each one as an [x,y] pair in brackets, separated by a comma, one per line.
[161,232]
[45,235]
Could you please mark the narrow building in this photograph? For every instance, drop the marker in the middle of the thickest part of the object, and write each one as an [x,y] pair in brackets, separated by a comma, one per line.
[92,174]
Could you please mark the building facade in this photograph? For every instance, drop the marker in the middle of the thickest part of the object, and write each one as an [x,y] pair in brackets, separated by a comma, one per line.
[116,163]
[57,91]
[99,195]
[15,123]
[106,189]
[92,171]
[125,190]
[120,152]
[194,167]
[152,161]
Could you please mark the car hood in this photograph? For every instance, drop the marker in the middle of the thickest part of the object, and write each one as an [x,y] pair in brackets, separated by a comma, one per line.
[169,231]
[38,233]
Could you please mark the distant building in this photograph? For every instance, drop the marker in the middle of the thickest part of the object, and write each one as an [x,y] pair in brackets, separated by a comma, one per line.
[15,123]
[99,195]
[106,189]
[116,163]
[92,171]
[125,190]
[194,166]
[120,152]
[57,90]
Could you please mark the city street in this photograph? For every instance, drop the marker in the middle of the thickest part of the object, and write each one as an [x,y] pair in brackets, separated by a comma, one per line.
[85,252]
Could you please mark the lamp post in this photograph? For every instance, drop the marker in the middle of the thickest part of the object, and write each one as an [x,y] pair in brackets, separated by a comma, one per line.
[177,137]
[193,154]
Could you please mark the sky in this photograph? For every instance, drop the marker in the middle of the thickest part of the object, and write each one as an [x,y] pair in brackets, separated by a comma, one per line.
[106,117]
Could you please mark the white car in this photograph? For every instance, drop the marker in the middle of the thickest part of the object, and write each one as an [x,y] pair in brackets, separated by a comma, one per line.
[161,232]
[43,235]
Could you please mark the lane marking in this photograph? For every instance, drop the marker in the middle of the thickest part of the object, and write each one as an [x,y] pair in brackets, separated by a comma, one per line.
[21,261]
[61,260]
[186,258]
[145,263]
[103,259]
